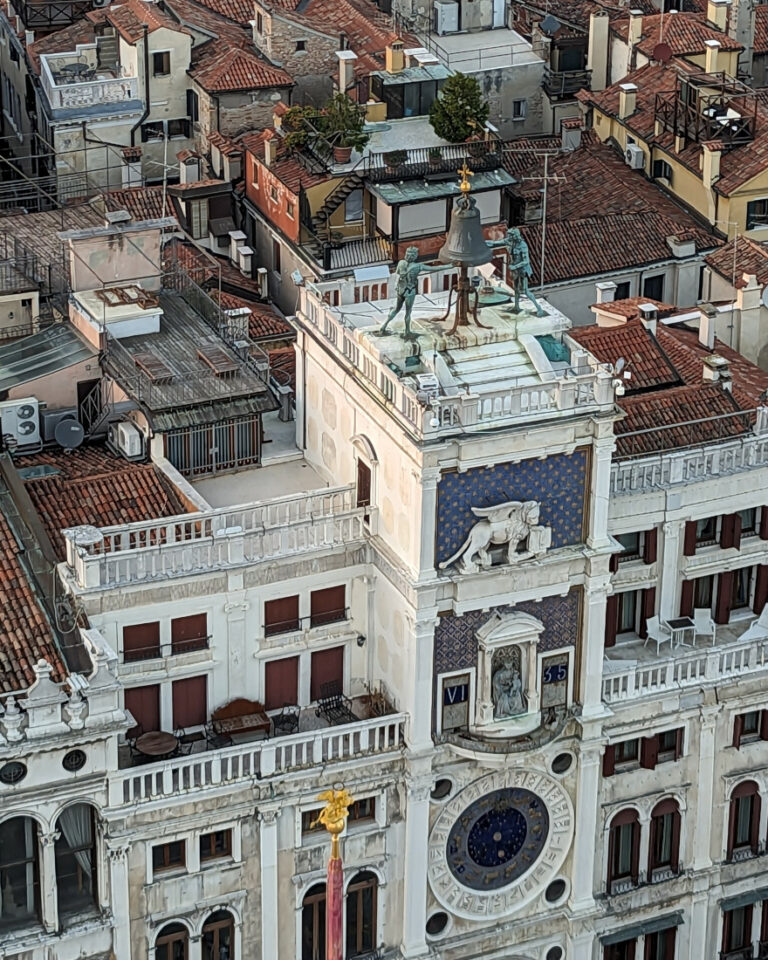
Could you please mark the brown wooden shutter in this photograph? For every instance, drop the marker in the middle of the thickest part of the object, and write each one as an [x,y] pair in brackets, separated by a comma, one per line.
[327,668]
[609,761]
[686,598]
[761,586]
[327,606]
[611,852]
[635,851]
[281,616]
[737,530]
[733,809]
[689,543]
[727,913]
[189,633]
[363,484]
[141,641]
[649,752]
[724,593]
[190,702]
[650,546]
[763,523]
[764,724]
[738,728]
[730,531]
[613,563]
[675,858]
[647,610]
[281,683]
[754,838]
[679,742]
[611,619]
[144,704]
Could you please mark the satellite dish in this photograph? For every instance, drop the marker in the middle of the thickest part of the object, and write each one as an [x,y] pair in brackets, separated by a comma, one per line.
[620,364]
[662,53]
[550,25]
[69,434]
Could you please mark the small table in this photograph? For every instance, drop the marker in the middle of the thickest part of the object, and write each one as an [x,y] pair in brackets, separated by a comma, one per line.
[157,744]
[245,723]
[682,627]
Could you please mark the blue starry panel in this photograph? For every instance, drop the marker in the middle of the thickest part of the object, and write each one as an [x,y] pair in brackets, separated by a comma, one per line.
[559,483]
[456,637]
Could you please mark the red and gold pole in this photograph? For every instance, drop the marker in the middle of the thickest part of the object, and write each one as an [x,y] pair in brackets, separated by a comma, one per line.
[333,816]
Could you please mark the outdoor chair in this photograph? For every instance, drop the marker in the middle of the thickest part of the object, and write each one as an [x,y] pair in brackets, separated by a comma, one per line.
[658,632]
[704,625]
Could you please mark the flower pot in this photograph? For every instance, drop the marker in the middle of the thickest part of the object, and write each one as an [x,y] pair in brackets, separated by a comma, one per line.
[342,154]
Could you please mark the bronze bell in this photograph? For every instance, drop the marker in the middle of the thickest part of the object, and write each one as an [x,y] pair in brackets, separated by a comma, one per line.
[465,244]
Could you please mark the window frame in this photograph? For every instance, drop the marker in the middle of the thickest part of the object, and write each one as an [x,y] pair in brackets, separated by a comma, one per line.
[35,916]
[209,857]
[314,903]
[354,899]
[628,817]
[167,864]
[277,627]
[335,615]
[215,927]
[753,206]
[166,59]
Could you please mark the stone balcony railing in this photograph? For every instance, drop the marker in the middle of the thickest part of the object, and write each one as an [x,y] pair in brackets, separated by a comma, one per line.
[712,665]
[193,543]
[257,760]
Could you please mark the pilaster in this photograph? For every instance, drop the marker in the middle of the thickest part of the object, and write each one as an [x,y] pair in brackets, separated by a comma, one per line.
[669,604]
[415,872]
[428,522]
[600,484]
[703,826]
[49,907]
[586,838]
[592,646]
[117,861]
[420,734]
[269,899]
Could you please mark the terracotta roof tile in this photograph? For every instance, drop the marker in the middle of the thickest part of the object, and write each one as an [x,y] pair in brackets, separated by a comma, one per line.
[645,359]
[628,307]
[751,257]
[264,321]
[282,366]
[143,203]
[225,69]
[761,30]
[129,17]
[25,634]
[94,486]
[683,33]
[286,167]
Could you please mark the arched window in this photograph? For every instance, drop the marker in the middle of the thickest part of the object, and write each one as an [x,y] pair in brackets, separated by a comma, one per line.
[172,943]
[623,851]
[744,821]
[313,924]
[664,846]
[219,936]
[362,895]
[76,859]
[19,873]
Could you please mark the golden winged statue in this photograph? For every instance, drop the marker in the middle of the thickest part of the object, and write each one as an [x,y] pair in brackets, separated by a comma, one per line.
[334,815]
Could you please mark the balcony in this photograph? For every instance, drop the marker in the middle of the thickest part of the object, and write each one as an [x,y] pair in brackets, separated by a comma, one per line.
[632,671]
[565,84]
[161,651]
[259,759]
[77,86]
[742,953]
[438,162]
[192,544]
[708,107]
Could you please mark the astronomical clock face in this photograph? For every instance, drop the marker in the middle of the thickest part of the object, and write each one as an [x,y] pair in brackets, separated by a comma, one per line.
[498,842]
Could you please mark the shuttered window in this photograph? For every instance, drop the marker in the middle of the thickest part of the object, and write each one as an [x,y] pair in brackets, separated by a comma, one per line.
[281,683]
[363,484]
[141,641]
[327,668]
[190,702]
[327,606]
[143,703]
[724,596]
[623,848]
[281,616]
[189,633]
[664,844]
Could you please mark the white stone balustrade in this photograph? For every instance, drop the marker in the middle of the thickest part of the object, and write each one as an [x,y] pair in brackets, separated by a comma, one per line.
[188,543]
[711,665]
[257,760]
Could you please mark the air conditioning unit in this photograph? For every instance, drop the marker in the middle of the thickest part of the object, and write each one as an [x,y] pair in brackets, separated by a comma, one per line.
[634,157]
[50,419]
[127,440]
[20,423]
[446,17]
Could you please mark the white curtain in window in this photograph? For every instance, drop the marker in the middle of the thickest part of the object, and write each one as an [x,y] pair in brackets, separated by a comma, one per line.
[75,823]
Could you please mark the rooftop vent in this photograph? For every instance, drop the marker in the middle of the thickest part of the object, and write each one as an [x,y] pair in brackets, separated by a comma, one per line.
[153,367]
[217,358]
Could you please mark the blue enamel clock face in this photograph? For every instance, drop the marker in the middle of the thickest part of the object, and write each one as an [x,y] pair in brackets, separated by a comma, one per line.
[497,838]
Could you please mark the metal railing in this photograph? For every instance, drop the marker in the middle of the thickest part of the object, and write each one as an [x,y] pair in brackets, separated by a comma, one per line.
[159,651]
[418,162]
[565,83]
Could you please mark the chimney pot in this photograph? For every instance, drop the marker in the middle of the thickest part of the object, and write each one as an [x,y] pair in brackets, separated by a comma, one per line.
[346,60]
[712,56]
[649,316]
[707,319]
[717,14]
[627,100]
[394,58]
[635,27]
[606,291]
[270,151]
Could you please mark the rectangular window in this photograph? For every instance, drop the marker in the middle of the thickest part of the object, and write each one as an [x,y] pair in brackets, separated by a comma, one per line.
[757,214]
[519,109]
[742,588]
[631,544]
[216,845]
[198,219]
[749,726]
[706,530]
[161,64]
[141,641]
[259,23]
[622,290]
[290,209]
[361,811]
[168,856]
[660,945]
[143,703]
[152,131]
[455,702]
[327,673]
[353,206]
[281,683]
[653,287]
[327,606]
[627,611]
[662,170]
[742,835]
[737,928]
[670,745]
[276,263]
[623,850]
[273,194]
[301,46]
[748,522]
[189,633]
[620,951]
[281,616]
[702,592]
[178,128]
[193,106]
[627,752]
[190,702]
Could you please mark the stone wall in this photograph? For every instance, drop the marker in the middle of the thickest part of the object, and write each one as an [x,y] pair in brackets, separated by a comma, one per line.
[233,114]
[313,68]
[502,87]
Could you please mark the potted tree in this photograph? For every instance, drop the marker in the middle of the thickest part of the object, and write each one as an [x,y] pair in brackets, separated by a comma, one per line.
[435,156]
[342,123]
[395,159]
[298,123]
[460,111]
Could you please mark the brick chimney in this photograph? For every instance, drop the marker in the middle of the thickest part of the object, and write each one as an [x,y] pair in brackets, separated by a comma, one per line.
[627,100]
[394,58]
[712,56]
[716,368]
[346,60]
[711,151]
[635,27]
[717,14]
[606,291]
[270,148]
[570,131]
[707,320]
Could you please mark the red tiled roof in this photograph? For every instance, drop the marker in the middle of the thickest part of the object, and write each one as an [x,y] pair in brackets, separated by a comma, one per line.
[645,360]
[66,39]
[628,307]
[226,69]
[282,366]
[683,33]
[205,269]
[264,321]
[286,167]
[576,13]
[25,635]
[751,257]
[239,11]
[95,487]
[225,145]
[760,39]
[129,17]
[143,203]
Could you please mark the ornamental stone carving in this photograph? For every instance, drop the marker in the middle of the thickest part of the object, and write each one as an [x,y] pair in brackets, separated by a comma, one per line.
[515,523]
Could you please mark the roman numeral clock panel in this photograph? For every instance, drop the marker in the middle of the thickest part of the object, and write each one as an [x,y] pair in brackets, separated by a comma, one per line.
[499,842]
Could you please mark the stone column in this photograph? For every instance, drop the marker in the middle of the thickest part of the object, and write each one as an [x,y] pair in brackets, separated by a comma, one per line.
[701,842]
[645,844]
[669,574]
[583,946]
[117,861]
[415,869]
[600,485]
[429,479]
[49,907]
[269,897]
[590,684]
[420,732]
[698,929]
[586,840]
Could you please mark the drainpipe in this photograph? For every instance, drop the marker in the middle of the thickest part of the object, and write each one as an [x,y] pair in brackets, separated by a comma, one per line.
[144,115]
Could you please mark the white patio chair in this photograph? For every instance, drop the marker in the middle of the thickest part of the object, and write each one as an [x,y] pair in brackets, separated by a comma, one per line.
[758,629]
[704,625]
[657,631]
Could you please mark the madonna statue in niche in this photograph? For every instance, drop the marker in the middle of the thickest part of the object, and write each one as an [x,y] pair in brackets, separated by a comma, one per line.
[507,684]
